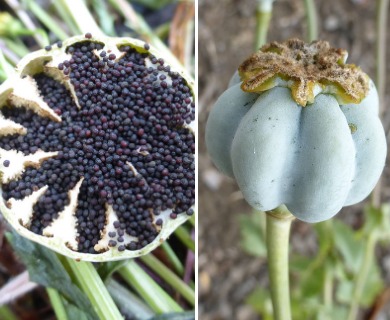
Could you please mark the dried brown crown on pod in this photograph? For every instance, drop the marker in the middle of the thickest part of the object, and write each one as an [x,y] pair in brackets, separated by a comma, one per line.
[97,148]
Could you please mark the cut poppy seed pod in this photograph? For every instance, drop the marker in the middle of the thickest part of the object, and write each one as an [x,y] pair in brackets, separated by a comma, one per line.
[97,148]
[300,128]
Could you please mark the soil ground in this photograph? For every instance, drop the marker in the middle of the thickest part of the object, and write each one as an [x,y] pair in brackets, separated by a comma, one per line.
[226,35]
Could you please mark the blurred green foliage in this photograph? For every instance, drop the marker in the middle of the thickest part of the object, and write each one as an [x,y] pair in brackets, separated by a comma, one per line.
[326,282]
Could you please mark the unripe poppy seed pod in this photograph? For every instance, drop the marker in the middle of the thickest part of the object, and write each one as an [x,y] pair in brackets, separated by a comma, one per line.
[301,129]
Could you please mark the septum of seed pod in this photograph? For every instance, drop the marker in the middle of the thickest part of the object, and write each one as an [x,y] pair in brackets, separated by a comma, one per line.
[97,148]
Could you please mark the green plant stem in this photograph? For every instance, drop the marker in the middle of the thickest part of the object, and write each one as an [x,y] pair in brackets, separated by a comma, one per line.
[173,258]
[172,279]
[138,23]
[17,46]
[328,288]
[381,31]
[192,220]
[8,53]
[65,15]
[263,18]
[48,21]
[24,17]
[162,31]
[106,19]
[148,289]
[93,286]
[362,275]
[7,314]
[131,306]
[56,303]
[82,17]
[311,18]
[5,66]
[185,238]
[278,231]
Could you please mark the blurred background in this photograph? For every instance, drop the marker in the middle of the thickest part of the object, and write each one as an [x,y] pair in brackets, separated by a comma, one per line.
[233,281]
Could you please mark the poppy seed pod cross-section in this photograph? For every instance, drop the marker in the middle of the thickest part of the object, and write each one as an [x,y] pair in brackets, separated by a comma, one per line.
[299,127]
[97,148]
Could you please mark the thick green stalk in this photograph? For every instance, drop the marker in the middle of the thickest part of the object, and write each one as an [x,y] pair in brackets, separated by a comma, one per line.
[47,20]
[56,303]
[93,286]
[173,258]
[278,232]
[172,279]
[106,19]
[148,289]
[185,238]
[362,275]
[82,16]
[311,18]
[263,18]
[65,15]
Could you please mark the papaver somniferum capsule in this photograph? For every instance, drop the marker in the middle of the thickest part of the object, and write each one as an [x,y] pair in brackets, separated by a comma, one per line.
[299,127]
[97,148]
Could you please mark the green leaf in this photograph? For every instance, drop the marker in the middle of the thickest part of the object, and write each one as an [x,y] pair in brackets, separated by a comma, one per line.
[333,312]
[377,220]
[260,300]
[106,269]
[304,311]
[313,285]
[130,305]
[252,234]
[75,313]
[299,263]
[349,245]
[373,286]
[45,268]
[325,235]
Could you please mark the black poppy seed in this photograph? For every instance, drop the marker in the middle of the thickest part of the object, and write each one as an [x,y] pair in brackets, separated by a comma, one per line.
[6,163]
[112,243]
[116,224]
[48,48]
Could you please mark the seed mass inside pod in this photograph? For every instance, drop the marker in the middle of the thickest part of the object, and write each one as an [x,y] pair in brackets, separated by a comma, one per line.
[129,141]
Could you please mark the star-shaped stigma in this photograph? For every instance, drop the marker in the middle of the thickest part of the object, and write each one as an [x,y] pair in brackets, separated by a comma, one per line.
[306,69]
[97,147]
